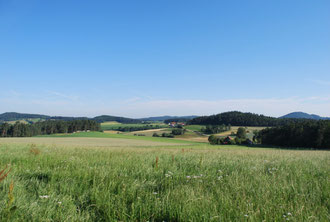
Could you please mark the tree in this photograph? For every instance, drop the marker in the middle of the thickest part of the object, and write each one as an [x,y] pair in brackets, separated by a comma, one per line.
[178,131]
[241,133]
[212,139]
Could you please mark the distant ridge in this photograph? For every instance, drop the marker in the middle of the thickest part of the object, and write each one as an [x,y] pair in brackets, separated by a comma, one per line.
[14,116]
[302,115]
[106,118]
[162,118]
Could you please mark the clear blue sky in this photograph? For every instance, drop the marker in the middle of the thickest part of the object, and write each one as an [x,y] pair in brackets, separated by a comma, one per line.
[159,57]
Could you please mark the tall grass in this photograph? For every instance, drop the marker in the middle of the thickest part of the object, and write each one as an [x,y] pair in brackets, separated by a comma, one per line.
[160,184]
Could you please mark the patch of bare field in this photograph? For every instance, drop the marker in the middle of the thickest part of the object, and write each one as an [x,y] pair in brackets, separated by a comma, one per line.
[194,139]
[112,131]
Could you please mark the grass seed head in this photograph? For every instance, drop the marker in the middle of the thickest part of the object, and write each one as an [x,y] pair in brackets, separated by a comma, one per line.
[4,174]
[34,150]
[157,159]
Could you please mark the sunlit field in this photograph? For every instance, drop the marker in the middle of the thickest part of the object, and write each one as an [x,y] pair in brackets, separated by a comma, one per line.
[122,180]
[112,125]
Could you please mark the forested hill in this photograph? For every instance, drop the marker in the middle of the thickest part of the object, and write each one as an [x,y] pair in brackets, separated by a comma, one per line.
[302,115]
[105,118]
[236,118]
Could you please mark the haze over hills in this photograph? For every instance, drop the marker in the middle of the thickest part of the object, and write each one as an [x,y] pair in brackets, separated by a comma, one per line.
[13,116]
[162,118]
[302,115]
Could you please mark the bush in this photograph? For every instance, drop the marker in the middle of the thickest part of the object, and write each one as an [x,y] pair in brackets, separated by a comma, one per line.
[178,131]
[213,140]
[238,140]
[169,135]
[241,133]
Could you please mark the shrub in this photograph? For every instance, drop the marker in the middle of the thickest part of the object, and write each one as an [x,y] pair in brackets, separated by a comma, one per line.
[178,131]
[238,140]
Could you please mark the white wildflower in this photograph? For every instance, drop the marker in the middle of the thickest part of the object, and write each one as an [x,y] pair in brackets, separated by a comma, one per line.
[154,193]
[188,177]
[44,197]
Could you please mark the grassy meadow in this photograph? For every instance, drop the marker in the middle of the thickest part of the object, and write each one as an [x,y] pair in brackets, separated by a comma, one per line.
[112,125]
[123,180]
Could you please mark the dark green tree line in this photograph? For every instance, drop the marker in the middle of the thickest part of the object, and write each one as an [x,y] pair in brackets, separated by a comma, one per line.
[47,127]
[306,134]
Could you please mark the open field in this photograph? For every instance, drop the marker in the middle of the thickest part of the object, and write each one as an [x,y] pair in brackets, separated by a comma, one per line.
[110,123]
[194,127]
[114,125]
[86,141]
[25,121]
[234,129]
[116,136]
[123,181]
[193,136]
[151,131]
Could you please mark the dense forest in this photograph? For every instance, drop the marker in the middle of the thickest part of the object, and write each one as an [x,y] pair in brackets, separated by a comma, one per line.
[47,127]
[236,118]
[308,134]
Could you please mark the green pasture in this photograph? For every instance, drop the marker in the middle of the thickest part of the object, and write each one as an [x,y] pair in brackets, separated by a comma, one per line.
[115,126]
[119,136]
[159,183]
[194,127]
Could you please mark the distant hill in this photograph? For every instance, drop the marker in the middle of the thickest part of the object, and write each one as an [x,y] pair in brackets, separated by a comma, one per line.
[302,115]
[236,118]
[106,118]
[163,118]
[12,116]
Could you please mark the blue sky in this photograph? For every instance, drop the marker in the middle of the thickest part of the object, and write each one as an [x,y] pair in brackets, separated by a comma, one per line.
[165,57]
